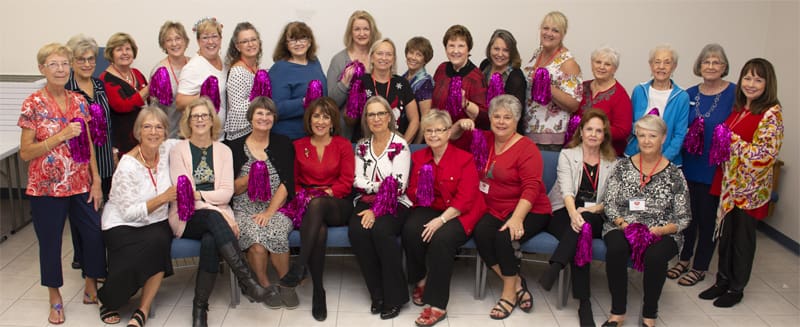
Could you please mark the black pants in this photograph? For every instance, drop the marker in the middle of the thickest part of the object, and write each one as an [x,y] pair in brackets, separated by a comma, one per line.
[701,228]
[434,259]
[737,248]
[496,247]
[77,251]
[656,258]
[213,231]
[380,255]
[567,245]
[321,212]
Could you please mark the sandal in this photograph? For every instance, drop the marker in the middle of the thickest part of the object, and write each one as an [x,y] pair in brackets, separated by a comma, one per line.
[59,309]
[416,296]
[526,305]
[430,317]
[499,312]
[677,270]
[692,278]
[108,316]
[89,299]
[138,317]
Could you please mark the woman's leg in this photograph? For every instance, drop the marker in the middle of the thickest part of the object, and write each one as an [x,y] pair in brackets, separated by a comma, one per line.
[257,257]
[48,216]
[384,237]
[580,275]
[416,249]
[617,255]
[560,227]
[441,256]
[366,254]
[656,258]
[87,221]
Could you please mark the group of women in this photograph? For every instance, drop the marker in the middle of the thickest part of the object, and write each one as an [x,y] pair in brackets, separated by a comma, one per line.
[182,166]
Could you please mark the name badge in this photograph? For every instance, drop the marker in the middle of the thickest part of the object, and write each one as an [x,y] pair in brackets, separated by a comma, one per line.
[589,204]
[636,204]
[484,187]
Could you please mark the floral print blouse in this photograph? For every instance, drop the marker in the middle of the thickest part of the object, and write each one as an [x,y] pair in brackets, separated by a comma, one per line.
[546,124]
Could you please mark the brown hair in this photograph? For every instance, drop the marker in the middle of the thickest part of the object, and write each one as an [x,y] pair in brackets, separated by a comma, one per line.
[117,40]
[422,45]
[606,149]
[295,30]
[374,34]
[233,53]
[456,32]
[328,107]
[762,68]
[511,43]
[261,102]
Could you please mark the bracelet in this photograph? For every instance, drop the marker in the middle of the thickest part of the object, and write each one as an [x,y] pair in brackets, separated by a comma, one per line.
[444,221]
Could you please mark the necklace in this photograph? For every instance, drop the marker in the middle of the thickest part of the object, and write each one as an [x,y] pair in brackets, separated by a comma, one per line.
[130,78]
[644,179]
[175,76]
[251,69]
[539,57]
[710,110]
[149,168]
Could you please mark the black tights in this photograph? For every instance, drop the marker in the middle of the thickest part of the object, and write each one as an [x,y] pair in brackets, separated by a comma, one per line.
[321,212]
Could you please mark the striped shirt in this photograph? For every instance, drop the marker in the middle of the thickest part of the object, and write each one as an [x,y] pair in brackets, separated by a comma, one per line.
[105,159]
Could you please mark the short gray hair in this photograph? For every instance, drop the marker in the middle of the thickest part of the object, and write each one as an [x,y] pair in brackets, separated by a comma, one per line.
[711,50]
[664,47]
[606,52]
[651,123]
[80,43]
[149,111]
[436,116]
[508,102]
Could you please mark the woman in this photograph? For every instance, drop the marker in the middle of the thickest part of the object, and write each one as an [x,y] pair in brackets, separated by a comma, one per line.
[512,182]
[744,182]
[383,81]
[457,44]
[244,54]
[60,185]
[200,68]
[359,36]
[173,40]
[712,100]
[264,230]
[547,122]
[418,54]
[208,165]
[383,153]
[447,204]
[577,198]
[324,162]
[502,57]
[649,190]
[135,226]
[126,89]
[670,102]
[296,65]
[604,92]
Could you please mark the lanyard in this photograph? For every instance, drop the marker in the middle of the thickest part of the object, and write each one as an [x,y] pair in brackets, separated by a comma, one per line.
[643,180]
[593,179]
[492,157]
[375,84]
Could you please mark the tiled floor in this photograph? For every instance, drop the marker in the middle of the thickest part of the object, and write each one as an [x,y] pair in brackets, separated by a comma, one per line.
[771,299]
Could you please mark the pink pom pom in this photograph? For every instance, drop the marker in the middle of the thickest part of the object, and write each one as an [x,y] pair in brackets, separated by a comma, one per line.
[296,208]
[262,86]
[394,150]
[572,126]
[455,100]
[210,89]
[479,149]
[654,111]
[313,92]
[583,253]
[496,88]
[98,126]
[355,99]
[540,88]
[386,199]
[185,197]
[258,186]
[720,145]
[693,142]
[640,238]
[79,145]
[425,186]
[161,86]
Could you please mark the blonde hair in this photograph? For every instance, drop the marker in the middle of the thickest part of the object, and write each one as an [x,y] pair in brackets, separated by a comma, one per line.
[170,25]
[80,44]
[375,46]
[206,24]
[53,48]
[186,127]
[558,19]
[146,112]
[436,116]
[385,104]
[374,34]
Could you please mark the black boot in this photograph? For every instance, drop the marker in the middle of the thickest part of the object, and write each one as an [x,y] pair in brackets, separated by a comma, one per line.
[202,291]
[550,275]
[294,276]
[251,289]
[319,306]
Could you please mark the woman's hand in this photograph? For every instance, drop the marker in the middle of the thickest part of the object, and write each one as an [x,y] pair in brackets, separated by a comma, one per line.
[170,194]
[329,191]
[466,124]
[514,227]
[576,220]
[96,195]
[367,218]
[73,129]
[262,218]
[144,92]
[347,75]
[431,227]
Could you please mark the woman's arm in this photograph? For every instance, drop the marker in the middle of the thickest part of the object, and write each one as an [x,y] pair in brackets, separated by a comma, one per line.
[621,117]
[122,99]
[239,86]
[677,126]
[566,95]
[412,113]
[766,144]
[338,89]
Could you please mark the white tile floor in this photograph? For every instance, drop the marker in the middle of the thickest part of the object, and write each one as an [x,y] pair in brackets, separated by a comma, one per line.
[771,299]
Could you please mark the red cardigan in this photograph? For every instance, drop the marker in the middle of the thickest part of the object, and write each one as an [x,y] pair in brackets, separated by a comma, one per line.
[336,169]
[474,86]
[616,103]
[455,184]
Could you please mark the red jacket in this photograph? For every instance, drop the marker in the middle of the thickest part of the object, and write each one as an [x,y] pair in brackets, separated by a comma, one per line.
[336,170]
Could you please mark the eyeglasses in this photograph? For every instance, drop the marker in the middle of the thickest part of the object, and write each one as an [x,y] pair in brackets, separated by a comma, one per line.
[253,40]
[207,38]
[377,115]
[199,116]
[712,63]
[434,131]
[174,40]
[298,41]
[148,127]
[54,66]
[86,60]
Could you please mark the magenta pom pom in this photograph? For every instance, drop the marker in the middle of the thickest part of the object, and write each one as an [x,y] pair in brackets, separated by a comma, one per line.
[356,98]
[693,142]
[394,150]
[161,86]
[639,237]
[425,186]
[210,89]
[296,208]
[98,126]
[313,92]
[479,149]
[583,253]
[362,150]
[386,199]
[496,88]
[720,145]
[654,111]
[262,86]
[455,101]
[540,88]
[258,187]
[79,145]
[572,126]
[185,197]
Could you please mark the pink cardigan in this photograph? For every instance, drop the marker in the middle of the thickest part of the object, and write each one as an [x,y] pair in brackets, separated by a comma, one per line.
[180,163]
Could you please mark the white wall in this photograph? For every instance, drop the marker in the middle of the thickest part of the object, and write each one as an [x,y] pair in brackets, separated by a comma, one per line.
[754,28]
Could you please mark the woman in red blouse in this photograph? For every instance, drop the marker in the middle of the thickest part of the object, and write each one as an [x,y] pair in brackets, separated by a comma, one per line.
[324,161]
[443,186]
[512,182]
[126,88]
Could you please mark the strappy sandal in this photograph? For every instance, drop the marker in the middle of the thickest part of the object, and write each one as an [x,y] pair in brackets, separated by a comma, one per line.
[677,270]
[89,299]
[499,312]
[430,317]
[138,317]
[108,316]
[59,309]
[526,305]
[416,296]
[692,278]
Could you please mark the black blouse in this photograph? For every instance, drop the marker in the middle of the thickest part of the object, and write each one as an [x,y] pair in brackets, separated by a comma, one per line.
[280,152]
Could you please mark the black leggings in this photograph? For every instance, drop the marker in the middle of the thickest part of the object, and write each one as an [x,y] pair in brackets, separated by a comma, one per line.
[496,247]
[567,244]
[321,212]
[213,231]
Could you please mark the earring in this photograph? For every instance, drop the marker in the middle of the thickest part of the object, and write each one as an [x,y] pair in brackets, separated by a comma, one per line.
[331,131]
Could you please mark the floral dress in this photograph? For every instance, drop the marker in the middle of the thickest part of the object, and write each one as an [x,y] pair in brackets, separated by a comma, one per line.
[546,124]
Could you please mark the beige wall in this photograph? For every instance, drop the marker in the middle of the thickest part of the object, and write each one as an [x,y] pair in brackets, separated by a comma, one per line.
[756,28]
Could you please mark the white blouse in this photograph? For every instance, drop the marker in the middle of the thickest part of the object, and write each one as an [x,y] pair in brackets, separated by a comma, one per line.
[195,73]
[372,169]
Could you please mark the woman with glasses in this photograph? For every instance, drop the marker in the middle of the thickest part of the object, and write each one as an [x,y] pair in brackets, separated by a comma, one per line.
[244,54]
[127,89]
[296,65]
[173,40]
[201,68]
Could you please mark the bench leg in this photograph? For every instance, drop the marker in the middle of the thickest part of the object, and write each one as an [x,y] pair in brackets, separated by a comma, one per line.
[235,293]
[480,278]
[563,287]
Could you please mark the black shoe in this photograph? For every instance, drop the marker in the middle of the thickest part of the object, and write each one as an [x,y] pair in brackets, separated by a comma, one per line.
[611,324]
[76,265]
[295,275]
[550,276]
[204,284]
[200,315]
[585,314]
[376,307]
[713,292]
[729,299]
[391,312]
[319,307]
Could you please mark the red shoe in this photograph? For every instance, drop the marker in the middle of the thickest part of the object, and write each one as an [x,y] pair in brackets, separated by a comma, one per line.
[416,296]
[430,317]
